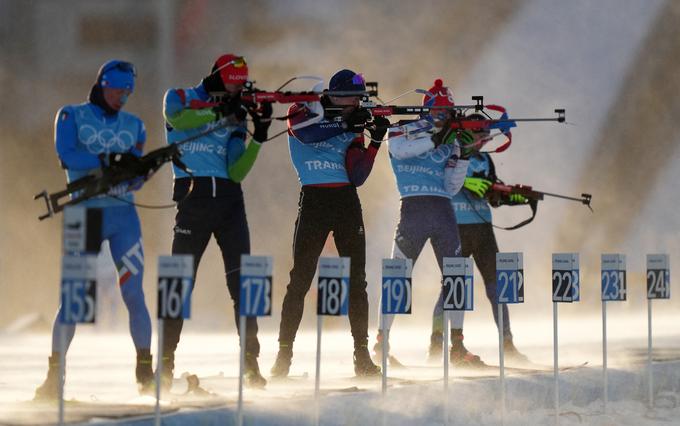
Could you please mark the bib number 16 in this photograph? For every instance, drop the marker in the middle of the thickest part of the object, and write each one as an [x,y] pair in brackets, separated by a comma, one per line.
[175,282]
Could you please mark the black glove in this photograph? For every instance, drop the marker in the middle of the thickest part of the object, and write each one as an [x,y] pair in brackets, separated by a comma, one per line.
[122,161]
[262,121]
[380,126]
[230,106]
[356,120]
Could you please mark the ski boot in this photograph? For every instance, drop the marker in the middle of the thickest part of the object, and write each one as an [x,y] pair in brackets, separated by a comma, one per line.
[460,356]
[49,390]
[167,372]
[144,373]
[363,366]
[251,375]
[283,360]
[512,355]
[434,353]
[378,352]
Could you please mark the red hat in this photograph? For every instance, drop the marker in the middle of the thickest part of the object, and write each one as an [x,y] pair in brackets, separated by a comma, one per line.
[439,95]
[232,69]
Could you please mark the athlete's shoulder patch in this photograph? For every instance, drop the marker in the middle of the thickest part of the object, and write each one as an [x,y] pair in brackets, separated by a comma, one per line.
[64,115]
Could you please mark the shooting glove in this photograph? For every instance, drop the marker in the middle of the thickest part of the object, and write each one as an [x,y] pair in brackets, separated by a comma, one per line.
[518,199]
[230,106]
[378,132]
[356,120]
[477,186]
[262,121]
[466,140]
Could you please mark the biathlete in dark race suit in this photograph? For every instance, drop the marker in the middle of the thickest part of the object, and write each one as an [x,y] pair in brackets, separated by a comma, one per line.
[473,215]
[89,136]
[210,202]
[429,169]
[331,162]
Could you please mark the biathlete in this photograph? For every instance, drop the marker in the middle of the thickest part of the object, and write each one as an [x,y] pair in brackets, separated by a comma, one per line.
[89,136]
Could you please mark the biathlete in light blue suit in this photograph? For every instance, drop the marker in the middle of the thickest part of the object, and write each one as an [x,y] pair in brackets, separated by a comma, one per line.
[429,170]
[85,137]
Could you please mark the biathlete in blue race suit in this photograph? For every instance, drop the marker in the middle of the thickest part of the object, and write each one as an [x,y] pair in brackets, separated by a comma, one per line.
[328,154]
[429,169]
[85,137]
[210,199]
[473,215]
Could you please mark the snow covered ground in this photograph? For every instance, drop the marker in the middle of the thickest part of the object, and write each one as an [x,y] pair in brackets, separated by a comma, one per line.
[100,370]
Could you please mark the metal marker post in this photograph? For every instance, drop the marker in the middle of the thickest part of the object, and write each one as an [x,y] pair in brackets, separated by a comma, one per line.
[501,359]
[175,281]
[395,298]
[650,373]
[332,299]
[447,328]
[242,360]
[658,287]
[555,366]
[613,273]
[605,395]
[159,368]
[62,370]
[255,300]
[78,305]
[509,289]
[385,339]
[317,374]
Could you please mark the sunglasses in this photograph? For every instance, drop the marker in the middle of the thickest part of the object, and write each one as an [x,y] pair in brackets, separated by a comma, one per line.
[122,66]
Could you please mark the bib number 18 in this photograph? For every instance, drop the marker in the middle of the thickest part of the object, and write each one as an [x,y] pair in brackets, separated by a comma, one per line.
[333,286]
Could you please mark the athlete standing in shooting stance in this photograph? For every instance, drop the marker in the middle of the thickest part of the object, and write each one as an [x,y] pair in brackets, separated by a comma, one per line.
[429,169]
[90,136]
[210,199]
[473,215]
[328,153]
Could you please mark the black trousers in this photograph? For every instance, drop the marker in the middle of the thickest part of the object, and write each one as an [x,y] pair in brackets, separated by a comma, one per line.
[198,218]
[478,240]
[322,211]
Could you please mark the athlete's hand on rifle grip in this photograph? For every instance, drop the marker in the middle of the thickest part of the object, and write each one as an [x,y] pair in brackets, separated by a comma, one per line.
[518,199]
[262,121]
[356,120]
[379,129]
[122,161]
[478,186]
[466,140]
[232,106]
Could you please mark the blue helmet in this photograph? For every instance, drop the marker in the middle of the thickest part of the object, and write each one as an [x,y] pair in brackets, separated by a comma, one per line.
[116,74]
[346,80]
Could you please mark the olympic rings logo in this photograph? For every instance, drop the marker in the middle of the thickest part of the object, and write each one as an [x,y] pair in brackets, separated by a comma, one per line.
[105,140]
[439,155]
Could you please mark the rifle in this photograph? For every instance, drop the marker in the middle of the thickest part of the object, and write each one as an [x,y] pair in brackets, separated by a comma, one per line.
[499,193]
[499,189]
[106,178]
